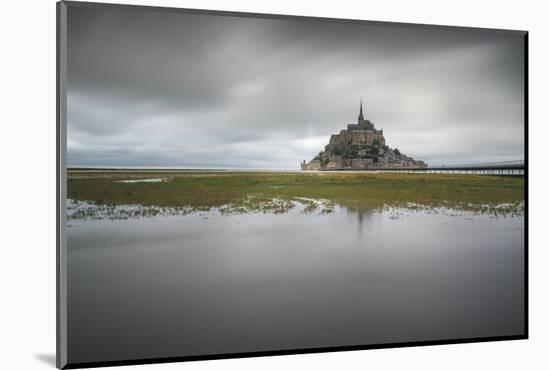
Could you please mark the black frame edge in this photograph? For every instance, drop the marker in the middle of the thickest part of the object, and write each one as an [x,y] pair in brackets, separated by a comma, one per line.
[290,352]
[526,180]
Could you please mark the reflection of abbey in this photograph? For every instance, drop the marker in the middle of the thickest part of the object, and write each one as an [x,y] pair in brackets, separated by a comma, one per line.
[360,146]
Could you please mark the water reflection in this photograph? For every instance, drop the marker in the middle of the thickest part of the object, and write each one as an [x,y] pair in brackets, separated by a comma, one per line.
[84,210]
[148,282]
[206,281]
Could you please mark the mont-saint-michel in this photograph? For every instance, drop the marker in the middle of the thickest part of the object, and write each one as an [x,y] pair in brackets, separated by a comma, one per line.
[360,146]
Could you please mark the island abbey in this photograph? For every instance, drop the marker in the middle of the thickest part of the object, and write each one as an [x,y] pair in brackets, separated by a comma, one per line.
[360,146]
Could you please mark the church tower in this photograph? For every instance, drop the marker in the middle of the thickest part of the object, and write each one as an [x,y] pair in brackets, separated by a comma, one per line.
[360,118]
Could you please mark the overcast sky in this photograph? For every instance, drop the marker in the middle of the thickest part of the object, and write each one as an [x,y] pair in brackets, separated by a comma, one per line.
[155,88]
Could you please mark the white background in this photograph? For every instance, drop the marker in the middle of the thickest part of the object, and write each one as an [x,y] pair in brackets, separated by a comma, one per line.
[28,183]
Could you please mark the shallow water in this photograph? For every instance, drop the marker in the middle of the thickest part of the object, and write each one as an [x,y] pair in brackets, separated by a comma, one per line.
[152,180]
[207,282]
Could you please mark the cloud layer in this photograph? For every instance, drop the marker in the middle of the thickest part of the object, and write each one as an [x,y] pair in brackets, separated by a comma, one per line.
[155,88]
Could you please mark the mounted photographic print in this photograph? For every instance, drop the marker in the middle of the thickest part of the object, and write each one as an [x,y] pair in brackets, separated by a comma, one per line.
[235,184]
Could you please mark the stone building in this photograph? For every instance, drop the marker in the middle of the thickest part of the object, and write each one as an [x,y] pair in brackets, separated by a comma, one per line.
[360,146]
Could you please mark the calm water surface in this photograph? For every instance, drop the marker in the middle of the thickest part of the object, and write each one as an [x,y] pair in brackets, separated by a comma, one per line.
[207,283]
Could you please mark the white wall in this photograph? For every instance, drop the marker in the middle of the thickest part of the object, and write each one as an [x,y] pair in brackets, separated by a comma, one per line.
[27,263]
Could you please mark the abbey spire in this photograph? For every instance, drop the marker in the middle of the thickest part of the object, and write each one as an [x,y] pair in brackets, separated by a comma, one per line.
[360,118]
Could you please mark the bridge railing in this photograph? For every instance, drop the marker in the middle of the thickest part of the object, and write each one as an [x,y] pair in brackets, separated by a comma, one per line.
[503,164]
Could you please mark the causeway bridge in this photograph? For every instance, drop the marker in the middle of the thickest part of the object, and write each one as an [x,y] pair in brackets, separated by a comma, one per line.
[504,168]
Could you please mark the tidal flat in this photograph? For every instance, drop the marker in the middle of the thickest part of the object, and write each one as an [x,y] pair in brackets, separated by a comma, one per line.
[165,264]
[278,192]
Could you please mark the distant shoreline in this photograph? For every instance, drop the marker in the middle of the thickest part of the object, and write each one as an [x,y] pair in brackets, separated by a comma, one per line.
[172,169]
[425,171]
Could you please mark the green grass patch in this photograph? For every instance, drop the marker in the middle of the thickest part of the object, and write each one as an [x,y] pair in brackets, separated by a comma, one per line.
[276,191]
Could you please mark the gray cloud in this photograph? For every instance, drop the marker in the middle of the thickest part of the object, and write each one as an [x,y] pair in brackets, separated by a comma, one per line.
[154,88]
